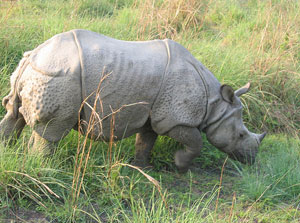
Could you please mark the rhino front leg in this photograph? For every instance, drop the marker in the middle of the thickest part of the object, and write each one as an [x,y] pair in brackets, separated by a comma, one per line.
[145,140]
[191,138]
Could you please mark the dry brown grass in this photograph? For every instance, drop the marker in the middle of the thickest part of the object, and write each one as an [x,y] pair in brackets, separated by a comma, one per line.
[166,19]
[275,66]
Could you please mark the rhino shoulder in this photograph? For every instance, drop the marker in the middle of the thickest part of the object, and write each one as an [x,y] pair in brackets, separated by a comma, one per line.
[182,99]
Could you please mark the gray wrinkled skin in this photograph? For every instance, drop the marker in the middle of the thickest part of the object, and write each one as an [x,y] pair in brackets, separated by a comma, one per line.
[158,87]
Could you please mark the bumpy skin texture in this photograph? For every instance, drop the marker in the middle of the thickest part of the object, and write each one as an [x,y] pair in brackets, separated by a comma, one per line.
[152,87]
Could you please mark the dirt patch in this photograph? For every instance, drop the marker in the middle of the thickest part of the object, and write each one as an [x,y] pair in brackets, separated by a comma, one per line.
[23,215]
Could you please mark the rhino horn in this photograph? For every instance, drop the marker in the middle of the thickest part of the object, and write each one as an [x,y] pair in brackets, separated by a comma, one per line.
[242,90]
[262,136]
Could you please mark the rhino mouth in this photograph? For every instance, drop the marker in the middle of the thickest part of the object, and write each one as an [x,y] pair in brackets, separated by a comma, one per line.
[243,158]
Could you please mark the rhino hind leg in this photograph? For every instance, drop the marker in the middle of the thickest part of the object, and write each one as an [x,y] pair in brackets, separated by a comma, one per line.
[191,138]
[10,126]
[145,140]
[46,136]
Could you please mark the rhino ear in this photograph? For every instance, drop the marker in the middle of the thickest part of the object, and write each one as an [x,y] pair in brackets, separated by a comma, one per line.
[242,90]
[227,93]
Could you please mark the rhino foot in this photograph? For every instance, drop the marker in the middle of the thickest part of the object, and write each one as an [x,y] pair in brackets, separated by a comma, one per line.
[142,164]
[39,145]
[144,142]
[182,161]
[191,139]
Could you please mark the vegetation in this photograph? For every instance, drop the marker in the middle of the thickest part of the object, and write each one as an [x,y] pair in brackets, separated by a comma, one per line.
[239,41]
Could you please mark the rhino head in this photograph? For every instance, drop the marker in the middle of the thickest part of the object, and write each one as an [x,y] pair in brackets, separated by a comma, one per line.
[227,131]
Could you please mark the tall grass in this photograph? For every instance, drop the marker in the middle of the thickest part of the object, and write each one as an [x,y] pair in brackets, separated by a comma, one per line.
[240,41]
[169,19]
[108,191]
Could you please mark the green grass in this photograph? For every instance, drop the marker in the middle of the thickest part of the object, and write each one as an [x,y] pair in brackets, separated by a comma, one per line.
[275,177]
[125,195]
[239,41]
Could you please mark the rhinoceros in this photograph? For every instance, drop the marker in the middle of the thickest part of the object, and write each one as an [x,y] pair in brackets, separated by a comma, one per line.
[150,87]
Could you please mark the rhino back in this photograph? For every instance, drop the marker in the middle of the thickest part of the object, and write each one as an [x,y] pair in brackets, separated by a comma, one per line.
[134,72]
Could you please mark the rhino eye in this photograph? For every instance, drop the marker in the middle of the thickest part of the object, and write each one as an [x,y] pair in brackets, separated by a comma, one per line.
[241,135]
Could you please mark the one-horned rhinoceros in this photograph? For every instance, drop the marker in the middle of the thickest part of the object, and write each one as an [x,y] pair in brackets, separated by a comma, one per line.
[157,87]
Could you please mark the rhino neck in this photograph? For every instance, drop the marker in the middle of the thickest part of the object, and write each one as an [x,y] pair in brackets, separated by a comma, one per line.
[217,109]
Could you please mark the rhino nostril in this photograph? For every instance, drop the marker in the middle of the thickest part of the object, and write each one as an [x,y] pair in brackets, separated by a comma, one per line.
[243,157]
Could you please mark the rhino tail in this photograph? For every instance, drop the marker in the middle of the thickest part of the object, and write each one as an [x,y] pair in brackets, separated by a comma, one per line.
[13,96]
[16,105]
